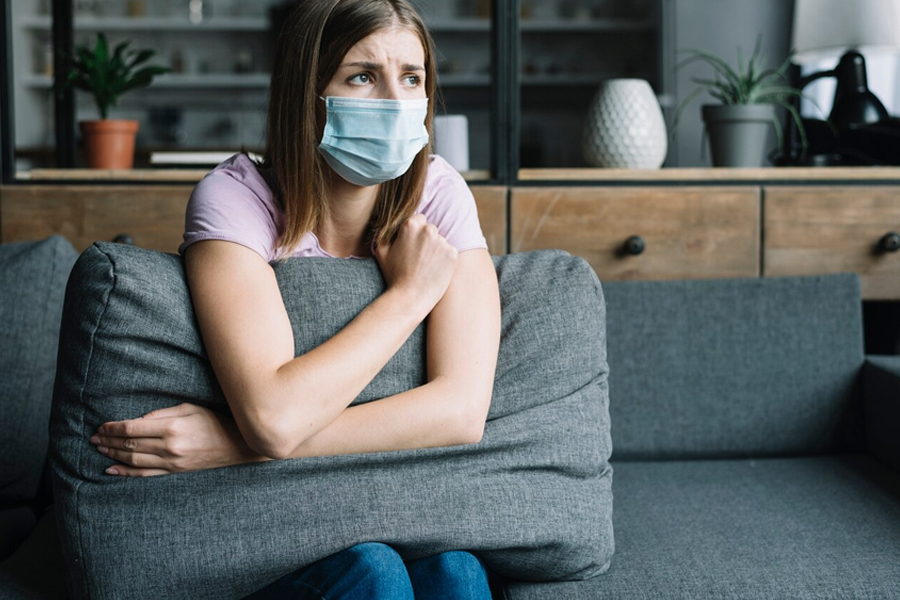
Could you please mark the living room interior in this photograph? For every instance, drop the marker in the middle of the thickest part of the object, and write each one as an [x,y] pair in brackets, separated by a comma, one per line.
[729,170]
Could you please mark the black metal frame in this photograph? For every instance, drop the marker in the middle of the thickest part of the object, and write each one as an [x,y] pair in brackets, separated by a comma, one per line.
[504,99]
[63,97]
[7,114]
[505,109]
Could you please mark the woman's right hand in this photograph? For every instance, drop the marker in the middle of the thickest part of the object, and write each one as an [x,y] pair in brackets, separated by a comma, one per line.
[420,262]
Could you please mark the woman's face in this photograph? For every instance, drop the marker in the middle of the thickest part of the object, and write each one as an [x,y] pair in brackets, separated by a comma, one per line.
[389,63]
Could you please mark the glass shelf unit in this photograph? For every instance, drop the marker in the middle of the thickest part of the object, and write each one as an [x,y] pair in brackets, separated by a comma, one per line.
[217,94]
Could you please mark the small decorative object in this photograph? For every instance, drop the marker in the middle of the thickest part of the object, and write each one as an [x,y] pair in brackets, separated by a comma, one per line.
[137,8]
[243,61]
[47,56]
[198,11]
[625,127]
[451,140]
[177,60]
[110,142]
[738,126]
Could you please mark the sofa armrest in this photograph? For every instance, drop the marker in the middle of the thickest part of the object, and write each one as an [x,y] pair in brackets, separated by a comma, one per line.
[881,398]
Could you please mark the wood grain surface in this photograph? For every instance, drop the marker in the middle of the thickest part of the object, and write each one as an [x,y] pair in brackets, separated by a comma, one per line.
[491,202]
[828,229]
[152,215]
[690,233]
[716,174]
[161,175]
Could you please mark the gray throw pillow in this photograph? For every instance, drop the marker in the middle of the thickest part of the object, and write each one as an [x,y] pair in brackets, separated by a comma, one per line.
[533,499]
[32,284]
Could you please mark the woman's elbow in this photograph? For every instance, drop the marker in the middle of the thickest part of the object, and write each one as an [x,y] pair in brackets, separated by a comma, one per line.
[268,437]
[473,422]
[270,448]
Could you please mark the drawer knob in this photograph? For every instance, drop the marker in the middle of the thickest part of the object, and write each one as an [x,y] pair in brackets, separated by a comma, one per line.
[891,242]
[634,245]
[124,238]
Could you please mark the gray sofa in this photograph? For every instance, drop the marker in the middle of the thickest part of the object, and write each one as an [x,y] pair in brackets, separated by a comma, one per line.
[755,446]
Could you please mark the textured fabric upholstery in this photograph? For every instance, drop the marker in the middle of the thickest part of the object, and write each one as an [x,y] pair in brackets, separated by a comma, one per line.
[533,498]
[881,387]
[734,367]
[32,282]
[810,528]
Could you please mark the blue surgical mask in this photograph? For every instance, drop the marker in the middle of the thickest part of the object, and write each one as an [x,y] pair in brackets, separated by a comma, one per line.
[370,141]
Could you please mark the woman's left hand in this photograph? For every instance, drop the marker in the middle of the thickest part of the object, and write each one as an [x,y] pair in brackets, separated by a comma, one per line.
[185,437]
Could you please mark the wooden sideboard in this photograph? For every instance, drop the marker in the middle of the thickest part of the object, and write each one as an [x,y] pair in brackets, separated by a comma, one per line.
[705,232]
[687,224]
[152,216]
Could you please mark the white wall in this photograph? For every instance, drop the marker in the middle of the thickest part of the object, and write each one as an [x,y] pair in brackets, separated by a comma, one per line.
[719,26]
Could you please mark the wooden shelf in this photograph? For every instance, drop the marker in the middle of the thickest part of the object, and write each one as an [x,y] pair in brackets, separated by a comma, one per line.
[260,24]
[775,174]
[592,25]
[152,175]
[183,81]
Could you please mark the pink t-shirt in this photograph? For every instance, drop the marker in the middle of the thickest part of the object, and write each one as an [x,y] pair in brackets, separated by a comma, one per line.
[234,202]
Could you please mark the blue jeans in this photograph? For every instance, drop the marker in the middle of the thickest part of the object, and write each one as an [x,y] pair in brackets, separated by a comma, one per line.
[373,571]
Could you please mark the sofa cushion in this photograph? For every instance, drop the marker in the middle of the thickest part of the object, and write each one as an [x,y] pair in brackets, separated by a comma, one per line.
[533,498]
[32,282]
[735,367]
[815,528]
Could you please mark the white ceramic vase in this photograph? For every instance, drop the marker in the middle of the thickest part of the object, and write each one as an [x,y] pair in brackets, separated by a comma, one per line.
[625,127]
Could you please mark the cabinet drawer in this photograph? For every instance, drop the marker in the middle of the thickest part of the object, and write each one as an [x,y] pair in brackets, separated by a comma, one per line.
[688,233]
[817,230]
[152,215]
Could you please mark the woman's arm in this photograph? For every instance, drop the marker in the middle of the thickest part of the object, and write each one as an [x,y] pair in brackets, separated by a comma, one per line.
[279,401]
[462,343]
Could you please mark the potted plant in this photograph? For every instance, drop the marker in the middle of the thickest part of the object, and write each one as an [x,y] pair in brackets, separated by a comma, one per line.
[748,97]
[110,142]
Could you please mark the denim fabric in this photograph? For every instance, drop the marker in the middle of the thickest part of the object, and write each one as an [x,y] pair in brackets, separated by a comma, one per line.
[374,571]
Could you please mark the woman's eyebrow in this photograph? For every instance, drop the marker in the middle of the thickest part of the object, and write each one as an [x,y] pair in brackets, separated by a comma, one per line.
[377,66]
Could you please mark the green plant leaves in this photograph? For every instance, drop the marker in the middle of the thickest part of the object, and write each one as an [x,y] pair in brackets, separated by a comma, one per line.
[107,76]
[745,85]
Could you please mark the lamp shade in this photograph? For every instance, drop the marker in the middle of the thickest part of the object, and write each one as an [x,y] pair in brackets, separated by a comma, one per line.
[822,27]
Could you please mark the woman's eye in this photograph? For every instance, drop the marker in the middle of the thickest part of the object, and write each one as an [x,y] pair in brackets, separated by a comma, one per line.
[413,80]
[361,79]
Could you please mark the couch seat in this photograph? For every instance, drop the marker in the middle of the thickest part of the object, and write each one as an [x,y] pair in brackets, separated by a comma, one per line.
[793,528]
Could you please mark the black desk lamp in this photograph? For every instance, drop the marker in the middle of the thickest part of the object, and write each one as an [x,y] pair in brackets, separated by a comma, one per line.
[822,27]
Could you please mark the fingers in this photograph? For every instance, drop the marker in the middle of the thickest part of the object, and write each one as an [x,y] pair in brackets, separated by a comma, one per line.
[143,445]
[135,459]
[417,220]
[180,410]
[153,427]
[126,471]
[145,426]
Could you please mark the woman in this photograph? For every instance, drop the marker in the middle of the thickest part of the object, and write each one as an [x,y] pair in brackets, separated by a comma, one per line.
[347,174]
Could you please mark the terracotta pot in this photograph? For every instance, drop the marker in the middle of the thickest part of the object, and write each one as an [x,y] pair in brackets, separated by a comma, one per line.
[109,143]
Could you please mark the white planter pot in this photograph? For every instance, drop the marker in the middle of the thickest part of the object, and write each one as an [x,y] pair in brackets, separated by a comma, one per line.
[625,127]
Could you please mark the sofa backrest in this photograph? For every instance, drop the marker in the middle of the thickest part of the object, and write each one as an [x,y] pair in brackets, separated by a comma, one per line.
[734,367]
[32,283]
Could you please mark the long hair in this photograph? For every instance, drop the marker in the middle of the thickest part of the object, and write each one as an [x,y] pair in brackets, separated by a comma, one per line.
[313,41]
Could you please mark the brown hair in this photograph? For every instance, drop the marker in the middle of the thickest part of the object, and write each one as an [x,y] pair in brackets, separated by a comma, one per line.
[313,41]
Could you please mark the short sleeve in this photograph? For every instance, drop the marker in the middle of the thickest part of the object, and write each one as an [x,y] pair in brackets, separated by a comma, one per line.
[449,205]
[226,206]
